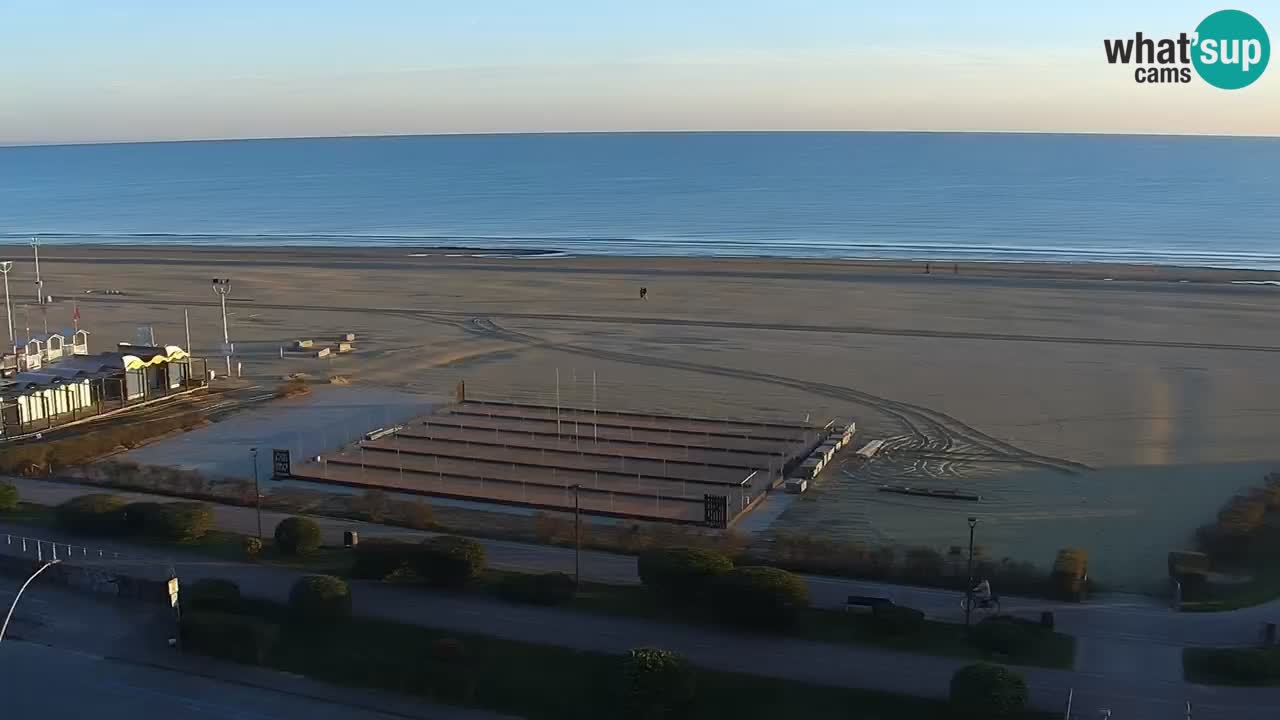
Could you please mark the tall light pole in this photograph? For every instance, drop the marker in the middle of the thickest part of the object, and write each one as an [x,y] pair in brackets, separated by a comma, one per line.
[18,597]
[5,267]
[968,588]
[222,288]
[257,494]
[577,541]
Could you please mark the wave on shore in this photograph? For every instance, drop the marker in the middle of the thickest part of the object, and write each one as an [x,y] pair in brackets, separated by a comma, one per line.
[533,245]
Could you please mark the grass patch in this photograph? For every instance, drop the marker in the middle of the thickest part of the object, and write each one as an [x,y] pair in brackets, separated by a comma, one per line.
[1055,650]
[30,514]
[549,683]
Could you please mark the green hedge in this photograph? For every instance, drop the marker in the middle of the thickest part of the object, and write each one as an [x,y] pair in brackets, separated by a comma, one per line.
[759,597]
[1232,666]
[1070,570]
[93,514]
[239,638]
[211,595]
[987,692]
[376,559]
[450,561]
[179,521]
[320,599]
[544,589]
[658,685]
[896,619]
[1008,635]
[681,574]
[8,497]
[297,536]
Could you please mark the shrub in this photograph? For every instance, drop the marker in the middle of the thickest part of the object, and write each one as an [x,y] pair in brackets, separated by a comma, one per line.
[1046,620]
[450,672]
[93,514]
[376,559]
[252,548]
[987,691]
[1244,666]
[449,561]
[760,596]
[239,638]
[297,536]
[922,564]
[8,497]
[544,589]
[1183,561]
[211,595]
[179,521]
[1070,570]
[1007,635]
[658,685]
[320,599]
[896,619]
[138,514]
[681,573]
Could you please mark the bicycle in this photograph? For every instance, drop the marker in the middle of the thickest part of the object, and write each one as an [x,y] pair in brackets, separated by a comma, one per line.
[992,606]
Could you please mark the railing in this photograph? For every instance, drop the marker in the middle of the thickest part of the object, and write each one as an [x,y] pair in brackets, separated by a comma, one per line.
[53,550]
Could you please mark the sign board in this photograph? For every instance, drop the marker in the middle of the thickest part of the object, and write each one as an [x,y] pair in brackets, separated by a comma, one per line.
[716,511]
[280,466]
[173,592]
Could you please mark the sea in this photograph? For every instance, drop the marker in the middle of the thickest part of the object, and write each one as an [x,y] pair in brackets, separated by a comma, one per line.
[1202,201]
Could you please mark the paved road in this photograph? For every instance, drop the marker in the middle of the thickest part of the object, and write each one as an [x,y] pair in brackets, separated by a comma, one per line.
[1129,647]
[71,655]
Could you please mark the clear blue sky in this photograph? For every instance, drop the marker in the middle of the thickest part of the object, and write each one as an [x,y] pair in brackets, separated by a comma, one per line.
[77,71]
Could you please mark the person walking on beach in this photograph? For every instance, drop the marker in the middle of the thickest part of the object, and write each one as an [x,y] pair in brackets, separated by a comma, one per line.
[644,293]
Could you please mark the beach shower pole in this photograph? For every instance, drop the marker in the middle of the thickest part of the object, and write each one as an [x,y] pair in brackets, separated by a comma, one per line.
[557,404]
[968,588]
[5,267]
[222,288]
[44,311]
[595,411]
[257,494]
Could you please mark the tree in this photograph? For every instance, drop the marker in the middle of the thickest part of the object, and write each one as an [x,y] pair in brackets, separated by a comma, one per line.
[297,536]
[988,692]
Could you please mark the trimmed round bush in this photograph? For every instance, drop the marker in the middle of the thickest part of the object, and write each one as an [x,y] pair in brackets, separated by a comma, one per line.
[760,596]
[983,691]
[681,573]
[320,599]
[897,620]
[252,548]
[212,595]
[658,684]
[138,514]
[93,514]
[544,589]
[179,521]
[1007,635]
[297,536]
[8,497]
[239,638]
[449,561]
[376,559]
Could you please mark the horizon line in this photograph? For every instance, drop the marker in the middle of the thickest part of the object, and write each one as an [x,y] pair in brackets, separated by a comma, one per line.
[516,133]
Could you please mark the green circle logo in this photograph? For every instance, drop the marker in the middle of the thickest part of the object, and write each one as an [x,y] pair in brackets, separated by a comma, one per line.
[1232,49]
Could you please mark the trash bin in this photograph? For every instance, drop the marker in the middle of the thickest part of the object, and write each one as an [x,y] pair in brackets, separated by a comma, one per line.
[350,538]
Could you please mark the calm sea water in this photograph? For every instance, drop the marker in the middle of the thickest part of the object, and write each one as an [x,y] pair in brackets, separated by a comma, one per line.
[1201,201]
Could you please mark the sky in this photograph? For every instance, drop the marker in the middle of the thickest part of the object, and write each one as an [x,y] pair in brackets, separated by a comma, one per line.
[145,70]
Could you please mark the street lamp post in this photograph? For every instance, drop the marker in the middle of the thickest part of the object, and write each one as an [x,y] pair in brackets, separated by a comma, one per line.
[18,597]
[577,541]
[968,588]
[5,267]
[257,494]
[222,288]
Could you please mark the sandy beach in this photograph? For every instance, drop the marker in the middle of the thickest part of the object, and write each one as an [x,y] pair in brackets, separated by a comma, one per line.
[1109,406]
